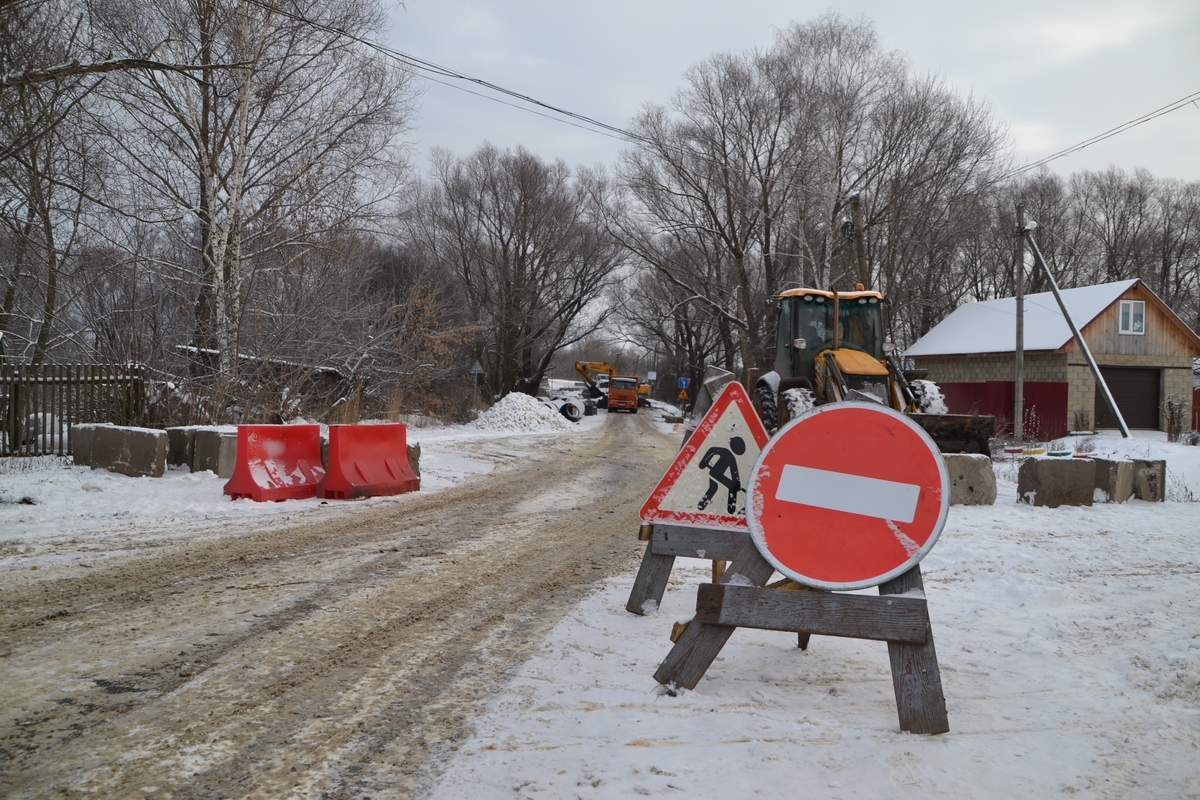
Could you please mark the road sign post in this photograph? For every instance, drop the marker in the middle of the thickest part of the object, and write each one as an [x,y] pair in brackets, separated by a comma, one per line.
[848,496]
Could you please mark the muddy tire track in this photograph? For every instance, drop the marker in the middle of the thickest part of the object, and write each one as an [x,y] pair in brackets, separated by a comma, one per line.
[341,654]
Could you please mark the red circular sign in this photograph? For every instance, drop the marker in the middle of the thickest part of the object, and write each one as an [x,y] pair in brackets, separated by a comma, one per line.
[847,496]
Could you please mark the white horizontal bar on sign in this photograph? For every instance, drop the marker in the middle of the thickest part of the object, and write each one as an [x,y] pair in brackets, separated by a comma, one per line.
[853,494]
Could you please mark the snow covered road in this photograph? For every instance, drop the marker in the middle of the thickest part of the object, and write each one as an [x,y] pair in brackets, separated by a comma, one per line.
[324,650]
[1068,639]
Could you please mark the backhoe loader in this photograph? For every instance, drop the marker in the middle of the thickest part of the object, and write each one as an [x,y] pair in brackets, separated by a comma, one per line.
[829,348]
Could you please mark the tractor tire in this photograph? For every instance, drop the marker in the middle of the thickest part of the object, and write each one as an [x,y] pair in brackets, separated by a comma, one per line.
[768,407]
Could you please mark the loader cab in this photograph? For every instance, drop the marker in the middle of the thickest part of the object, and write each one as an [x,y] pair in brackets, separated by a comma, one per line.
[806,327]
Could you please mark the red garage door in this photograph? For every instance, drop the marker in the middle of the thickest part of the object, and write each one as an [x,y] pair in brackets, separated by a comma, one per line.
[1137,394]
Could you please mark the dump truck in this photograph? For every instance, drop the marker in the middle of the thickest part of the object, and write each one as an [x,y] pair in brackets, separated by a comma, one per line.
[829,347]
[623,394]
[620,393]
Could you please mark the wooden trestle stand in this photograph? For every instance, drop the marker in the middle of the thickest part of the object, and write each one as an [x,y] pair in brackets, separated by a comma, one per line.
[898,616]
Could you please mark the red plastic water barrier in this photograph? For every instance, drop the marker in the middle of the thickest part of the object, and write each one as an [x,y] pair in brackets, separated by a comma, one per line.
[276,462]
[367,461]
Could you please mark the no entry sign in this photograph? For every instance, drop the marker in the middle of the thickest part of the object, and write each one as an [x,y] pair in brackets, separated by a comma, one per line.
[847,496]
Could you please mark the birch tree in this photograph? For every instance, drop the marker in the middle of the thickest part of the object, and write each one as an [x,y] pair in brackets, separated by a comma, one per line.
[290,133]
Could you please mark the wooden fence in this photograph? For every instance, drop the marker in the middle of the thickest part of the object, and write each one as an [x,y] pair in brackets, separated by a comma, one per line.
[38,405]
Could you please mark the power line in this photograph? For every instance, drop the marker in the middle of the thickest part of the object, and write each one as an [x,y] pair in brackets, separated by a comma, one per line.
[1133,123]
[431,68]
[443,75]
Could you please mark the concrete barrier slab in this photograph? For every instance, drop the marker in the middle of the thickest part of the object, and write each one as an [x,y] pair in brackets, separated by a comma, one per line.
[972,479]
[215,450]
[414,458]
[181,446]
[81,443]
[1054,482]
[1150,480]
[137,452]
[1114,480]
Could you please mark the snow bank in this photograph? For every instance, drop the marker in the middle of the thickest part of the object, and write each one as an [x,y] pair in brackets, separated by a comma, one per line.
[520,413]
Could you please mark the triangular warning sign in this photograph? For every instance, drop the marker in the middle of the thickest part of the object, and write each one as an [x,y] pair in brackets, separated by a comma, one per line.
[706,484]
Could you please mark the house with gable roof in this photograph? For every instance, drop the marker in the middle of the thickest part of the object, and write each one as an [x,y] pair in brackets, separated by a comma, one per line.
[1144,350]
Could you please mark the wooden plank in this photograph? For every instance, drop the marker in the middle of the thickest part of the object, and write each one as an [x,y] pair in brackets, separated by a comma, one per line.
[650,583]
[699,645]
[712,543]
[920,703]
[853,616]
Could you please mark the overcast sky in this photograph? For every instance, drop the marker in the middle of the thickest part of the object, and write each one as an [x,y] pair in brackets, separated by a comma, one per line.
[1054,72]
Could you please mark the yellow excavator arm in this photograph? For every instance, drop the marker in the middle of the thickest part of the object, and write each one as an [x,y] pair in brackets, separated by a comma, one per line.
[587,369]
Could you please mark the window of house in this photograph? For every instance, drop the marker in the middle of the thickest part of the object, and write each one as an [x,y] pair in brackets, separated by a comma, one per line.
[1133,316]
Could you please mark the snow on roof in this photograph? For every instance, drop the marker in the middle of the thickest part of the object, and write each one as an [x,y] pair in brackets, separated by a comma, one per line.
[991,326]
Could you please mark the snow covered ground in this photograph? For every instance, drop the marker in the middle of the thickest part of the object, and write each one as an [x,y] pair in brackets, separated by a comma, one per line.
[54,512]
[1068,639]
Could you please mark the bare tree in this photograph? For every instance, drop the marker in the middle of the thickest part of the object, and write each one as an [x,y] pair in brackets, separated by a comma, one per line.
[47,166]
[714,179]
[758,159]
[251,164]
[526,240]
[1174,268]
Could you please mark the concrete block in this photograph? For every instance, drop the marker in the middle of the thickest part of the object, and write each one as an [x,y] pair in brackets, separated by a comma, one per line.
[137,452]
[81,444]
[972,479]
[414,458]
[1150,480]
[181,446]
[215,451]
[1054,482]
[1114,479]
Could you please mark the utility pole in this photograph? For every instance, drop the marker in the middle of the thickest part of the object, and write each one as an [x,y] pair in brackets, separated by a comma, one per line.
[1019,382]
[1087,353]
[860,244]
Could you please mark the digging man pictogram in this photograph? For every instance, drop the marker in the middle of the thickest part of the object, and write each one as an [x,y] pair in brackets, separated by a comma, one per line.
[721,464]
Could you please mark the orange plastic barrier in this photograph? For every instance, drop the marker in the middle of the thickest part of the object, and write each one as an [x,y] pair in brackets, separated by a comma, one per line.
[276,462]
[368,460]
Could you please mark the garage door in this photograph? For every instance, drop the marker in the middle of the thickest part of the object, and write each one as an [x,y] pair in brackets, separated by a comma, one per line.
[1136,393]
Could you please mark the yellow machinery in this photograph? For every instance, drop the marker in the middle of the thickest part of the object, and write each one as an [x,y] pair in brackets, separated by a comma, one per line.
[829,348]
[588,370]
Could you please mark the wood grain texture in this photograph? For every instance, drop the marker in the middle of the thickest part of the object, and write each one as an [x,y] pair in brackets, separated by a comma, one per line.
[712,543]
[853,616]
[650,583]
[700,644]
[916,678]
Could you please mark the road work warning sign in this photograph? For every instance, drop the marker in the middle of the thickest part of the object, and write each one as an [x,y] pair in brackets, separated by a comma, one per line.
[706,484]
[848,496]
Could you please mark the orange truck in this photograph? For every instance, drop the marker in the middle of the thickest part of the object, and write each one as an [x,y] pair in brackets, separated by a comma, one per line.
[623,394]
